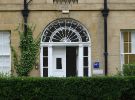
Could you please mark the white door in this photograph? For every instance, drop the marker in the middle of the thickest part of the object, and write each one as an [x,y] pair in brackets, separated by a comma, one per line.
[5,53]
[59,62]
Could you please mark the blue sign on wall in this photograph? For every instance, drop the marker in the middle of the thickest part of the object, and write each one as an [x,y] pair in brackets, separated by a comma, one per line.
[96,65]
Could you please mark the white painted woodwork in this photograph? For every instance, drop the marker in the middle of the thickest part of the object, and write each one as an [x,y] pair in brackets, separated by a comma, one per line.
[59,52]
[80,65]
[41,61]
[89,62]
[5,53]
[57,36]
[50,61]
[133,42]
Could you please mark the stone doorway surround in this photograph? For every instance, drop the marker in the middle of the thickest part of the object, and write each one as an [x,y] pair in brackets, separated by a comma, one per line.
[65,32]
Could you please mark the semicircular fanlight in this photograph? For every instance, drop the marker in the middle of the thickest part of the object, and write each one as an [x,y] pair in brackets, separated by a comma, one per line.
[65,30]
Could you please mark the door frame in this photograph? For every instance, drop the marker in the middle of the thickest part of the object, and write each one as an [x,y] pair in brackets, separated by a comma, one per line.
[80,56]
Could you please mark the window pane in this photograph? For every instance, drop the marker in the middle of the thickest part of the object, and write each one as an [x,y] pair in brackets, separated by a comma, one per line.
[62,23]
[48,33]
[129,36]
[45,72]
[58,63]
[56,25]
[129,58]
[126,58]
[45,62]
[5,70]
[127,47]
[85,71]
[4,43]
[84,39]
[125,34]
[45,51]
[4,50]
[85,51]
[132,58]
[47,39]
[85,61]
[52,28]
[5,64]
[5,61]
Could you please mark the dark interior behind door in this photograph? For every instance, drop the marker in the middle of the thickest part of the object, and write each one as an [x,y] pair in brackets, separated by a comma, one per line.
[70,61]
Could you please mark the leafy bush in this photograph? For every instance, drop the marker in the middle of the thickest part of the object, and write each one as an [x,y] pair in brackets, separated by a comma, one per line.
[129,69]
[102,88]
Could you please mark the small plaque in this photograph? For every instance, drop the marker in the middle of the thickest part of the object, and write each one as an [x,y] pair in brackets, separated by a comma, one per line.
[96,65]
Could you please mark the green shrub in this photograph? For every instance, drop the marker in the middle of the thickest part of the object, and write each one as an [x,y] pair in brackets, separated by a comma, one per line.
[102,88]
[29,50]
[129,69]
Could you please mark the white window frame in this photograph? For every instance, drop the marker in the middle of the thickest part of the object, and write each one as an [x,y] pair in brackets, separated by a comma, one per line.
[5,54]
[122,46]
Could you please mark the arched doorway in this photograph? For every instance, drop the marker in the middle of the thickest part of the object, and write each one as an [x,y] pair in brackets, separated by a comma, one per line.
[65,49]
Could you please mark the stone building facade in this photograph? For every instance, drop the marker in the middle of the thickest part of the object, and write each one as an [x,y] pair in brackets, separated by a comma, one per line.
[88,53]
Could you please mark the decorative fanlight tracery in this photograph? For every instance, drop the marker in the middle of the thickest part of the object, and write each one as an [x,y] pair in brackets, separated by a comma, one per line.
[65,1]
[65,30]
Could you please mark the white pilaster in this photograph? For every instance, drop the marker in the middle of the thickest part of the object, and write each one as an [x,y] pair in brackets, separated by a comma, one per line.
[50,56]
[80,66]
[89,62]
[41,62]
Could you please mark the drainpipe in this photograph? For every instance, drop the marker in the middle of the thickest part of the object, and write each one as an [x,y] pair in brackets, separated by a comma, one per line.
[25,14]
[105,13]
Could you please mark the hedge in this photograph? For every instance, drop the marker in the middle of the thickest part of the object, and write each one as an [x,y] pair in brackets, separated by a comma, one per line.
[100,88]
